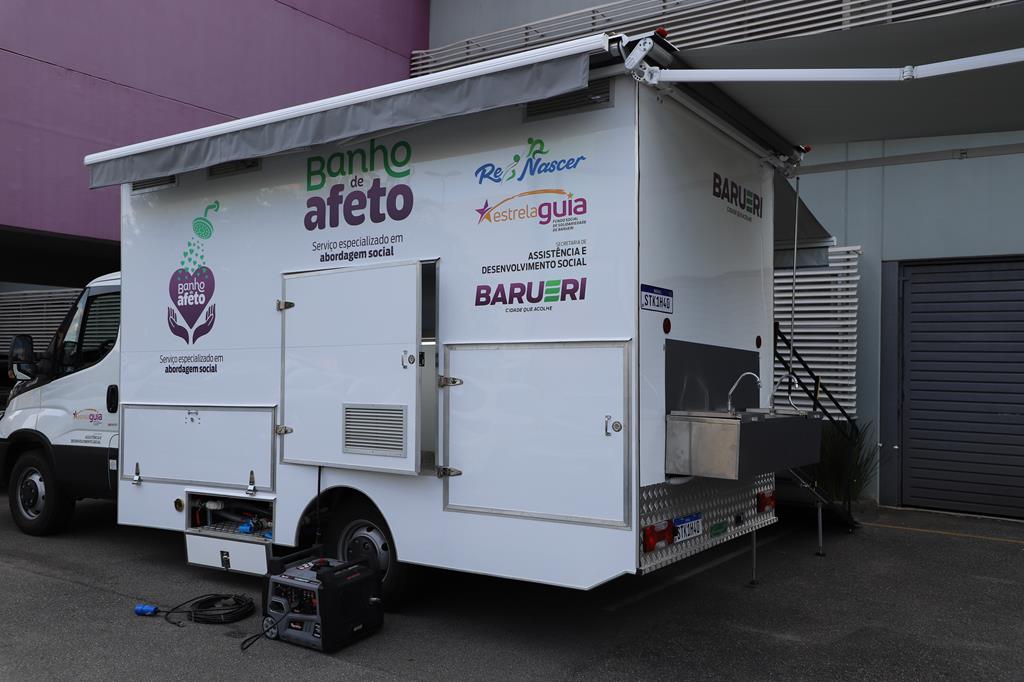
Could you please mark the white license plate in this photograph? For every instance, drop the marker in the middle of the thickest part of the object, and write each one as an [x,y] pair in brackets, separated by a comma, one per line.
[688,527]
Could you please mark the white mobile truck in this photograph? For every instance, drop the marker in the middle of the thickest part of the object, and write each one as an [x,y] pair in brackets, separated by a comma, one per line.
[506,319]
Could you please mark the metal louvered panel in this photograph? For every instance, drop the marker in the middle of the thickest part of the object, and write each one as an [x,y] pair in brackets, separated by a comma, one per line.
[37,313]
[597,94]
[693,23]
[963,387]
[826,326]
[374,430]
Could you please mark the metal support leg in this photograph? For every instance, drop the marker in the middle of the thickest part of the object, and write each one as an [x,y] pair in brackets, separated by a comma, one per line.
[821,550]
[753,558]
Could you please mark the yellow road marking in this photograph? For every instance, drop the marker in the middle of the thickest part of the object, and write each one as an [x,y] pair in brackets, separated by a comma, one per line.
[944,532]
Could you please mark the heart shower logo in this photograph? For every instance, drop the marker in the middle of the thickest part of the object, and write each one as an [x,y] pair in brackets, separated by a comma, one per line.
[192,285]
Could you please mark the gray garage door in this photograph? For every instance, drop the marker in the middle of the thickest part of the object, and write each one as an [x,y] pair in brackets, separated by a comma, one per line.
[963,387]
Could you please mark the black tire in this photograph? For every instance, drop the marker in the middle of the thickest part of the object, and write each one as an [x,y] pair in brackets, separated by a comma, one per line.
[358,528]
[38,505]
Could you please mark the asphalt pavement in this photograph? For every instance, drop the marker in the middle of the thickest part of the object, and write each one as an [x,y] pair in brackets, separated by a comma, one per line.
[910,596]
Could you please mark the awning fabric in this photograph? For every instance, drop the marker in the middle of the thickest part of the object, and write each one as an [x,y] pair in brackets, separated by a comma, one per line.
[813,239]
[354,116]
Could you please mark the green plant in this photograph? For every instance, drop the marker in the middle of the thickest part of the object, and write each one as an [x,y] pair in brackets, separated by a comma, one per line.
[847,464]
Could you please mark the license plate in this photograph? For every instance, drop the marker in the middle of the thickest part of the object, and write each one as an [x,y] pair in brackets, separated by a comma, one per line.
[688,527]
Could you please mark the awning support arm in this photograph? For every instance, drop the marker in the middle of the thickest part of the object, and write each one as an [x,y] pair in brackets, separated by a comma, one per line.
[653,75]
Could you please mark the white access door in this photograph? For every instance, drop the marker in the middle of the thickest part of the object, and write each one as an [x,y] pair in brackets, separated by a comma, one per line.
[351,368]
[540,431]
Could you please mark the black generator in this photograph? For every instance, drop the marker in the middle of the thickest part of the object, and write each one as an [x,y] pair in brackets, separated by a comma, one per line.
[322,603]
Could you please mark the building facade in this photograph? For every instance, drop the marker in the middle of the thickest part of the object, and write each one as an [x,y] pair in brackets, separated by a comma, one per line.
[77,78]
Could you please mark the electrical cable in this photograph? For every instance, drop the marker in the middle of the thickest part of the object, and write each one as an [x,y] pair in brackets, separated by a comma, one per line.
[319,534]
[213,609]
[252,639]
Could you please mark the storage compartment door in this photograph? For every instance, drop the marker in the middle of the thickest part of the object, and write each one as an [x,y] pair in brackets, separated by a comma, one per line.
[223,446]
[351,368]
[539,430]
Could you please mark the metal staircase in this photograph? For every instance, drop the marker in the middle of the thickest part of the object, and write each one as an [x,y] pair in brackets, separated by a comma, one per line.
[837,416]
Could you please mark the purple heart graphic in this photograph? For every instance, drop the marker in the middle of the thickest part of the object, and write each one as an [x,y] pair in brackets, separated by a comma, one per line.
[190,292]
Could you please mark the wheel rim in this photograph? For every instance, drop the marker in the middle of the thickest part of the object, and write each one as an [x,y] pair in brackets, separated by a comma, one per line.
[362,539]
[31,493]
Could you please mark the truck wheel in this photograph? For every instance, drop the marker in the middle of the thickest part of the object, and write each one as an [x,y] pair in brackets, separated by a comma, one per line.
[358,531]
[38,505]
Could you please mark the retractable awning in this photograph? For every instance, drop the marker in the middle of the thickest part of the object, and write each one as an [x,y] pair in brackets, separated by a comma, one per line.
[977,101]
[812,239]
[514,79]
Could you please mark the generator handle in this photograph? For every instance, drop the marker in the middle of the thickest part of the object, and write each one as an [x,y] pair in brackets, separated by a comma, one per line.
[278,565]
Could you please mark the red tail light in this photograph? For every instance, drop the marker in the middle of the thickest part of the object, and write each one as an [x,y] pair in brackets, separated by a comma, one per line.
[765,501]
[657,536]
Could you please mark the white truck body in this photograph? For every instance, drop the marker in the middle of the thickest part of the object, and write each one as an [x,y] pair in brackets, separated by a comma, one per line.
[473,323]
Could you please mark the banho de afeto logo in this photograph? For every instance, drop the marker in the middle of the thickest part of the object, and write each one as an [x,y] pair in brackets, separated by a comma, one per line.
[192,313]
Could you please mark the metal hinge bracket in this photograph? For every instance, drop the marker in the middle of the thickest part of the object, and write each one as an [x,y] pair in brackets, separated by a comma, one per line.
[445,382]
[285,305]
[282,430]
[443,472]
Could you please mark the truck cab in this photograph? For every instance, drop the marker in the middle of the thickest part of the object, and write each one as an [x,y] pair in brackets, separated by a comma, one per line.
[59,429]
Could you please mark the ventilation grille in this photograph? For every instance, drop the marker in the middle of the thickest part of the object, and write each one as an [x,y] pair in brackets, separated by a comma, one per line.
[597,95]
[234,168]
[37,313]
[374,430]
[693,24]
[825,329]
[154,184]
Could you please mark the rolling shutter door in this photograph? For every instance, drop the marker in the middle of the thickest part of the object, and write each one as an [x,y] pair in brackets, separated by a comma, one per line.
[963,387]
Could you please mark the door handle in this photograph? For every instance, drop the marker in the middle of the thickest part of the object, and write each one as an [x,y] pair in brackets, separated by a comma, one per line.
[610,425]
[112,399]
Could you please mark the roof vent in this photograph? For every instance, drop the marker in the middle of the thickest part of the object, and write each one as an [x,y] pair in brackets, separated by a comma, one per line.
[153,184]
[374,430]
[234,167]
[597,95]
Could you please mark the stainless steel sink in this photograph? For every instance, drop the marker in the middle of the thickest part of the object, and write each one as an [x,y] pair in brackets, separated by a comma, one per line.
[741,445]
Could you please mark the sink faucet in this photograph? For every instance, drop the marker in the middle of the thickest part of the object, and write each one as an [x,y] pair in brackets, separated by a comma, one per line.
[733,389]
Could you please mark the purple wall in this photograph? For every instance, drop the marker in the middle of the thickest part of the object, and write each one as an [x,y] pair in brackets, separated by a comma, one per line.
[82,77]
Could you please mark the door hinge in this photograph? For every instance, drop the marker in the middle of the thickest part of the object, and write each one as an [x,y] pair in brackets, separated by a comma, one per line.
[443,472]
[137,478]
[282,430]
[445,382]
[251,488]
[285,305]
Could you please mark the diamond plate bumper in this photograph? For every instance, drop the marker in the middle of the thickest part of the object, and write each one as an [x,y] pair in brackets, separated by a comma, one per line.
[720,502]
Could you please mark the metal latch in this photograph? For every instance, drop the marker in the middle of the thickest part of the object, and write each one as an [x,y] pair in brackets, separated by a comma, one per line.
[443,472]
[285,305]
[282,430]
[251,488]
[137,478]
[445,382]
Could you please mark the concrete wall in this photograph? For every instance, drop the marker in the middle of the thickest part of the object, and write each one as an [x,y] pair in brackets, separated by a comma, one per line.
[452,20]
[947,209]
[81,77]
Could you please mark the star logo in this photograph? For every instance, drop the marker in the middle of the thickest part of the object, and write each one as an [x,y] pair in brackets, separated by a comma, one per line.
[484,212]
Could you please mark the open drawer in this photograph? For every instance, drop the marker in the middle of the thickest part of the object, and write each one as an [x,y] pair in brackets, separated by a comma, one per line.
[233,533]
[244,556]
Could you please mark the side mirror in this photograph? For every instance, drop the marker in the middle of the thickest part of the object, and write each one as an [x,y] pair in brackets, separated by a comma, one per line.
[22,358]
